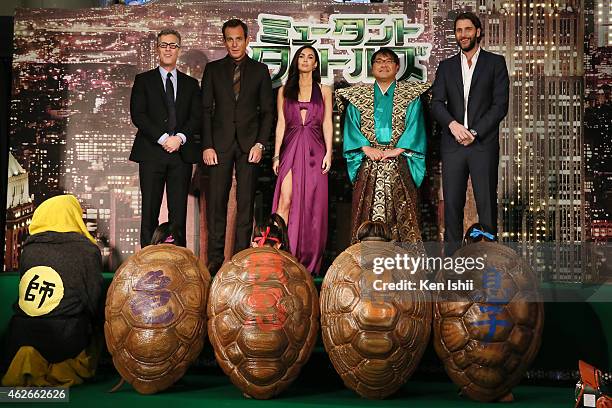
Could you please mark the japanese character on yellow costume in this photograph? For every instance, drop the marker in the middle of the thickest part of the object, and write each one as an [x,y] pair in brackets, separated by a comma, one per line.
[51,338]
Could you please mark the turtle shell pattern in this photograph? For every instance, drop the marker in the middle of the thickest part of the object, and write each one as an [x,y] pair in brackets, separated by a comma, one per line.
[374,338]
[263,320]
[487,337]
[156,316]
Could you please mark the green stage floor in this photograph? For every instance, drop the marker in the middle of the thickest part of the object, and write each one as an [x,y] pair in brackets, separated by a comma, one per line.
[573,330]
[202,390]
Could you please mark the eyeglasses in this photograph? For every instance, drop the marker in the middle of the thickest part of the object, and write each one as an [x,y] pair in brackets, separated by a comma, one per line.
[384,61]
[173,46]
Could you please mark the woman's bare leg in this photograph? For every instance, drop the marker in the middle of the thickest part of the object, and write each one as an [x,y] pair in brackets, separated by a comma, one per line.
[284,201]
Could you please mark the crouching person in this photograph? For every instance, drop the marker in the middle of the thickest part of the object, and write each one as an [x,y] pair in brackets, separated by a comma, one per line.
[54,336]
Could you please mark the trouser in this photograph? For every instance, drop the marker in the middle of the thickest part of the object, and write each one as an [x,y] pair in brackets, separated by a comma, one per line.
[217,197]
[457,166]
[175,177]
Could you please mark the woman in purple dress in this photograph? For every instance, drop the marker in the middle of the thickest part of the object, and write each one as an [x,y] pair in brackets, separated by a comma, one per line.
[302,157]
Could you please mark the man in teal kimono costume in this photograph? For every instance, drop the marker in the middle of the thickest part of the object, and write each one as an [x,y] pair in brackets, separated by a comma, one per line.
[384,146]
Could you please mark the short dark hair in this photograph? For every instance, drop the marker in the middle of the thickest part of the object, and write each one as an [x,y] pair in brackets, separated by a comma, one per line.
[235,22]
[468,15]
[169,31]
[387,52]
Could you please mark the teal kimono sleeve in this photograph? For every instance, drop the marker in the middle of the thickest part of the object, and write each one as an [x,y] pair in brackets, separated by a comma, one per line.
[354,140]
[414,140]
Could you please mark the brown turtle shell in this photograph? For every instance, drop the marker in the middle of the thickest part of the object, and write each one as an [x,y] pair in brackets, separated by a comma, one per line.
[487,337]
[374,338]
[156,316]
[263,320]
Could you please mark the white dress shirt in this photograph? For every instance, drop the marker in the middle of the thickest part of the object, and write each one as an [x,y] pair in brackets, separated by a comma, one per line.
[466,75]
[164,75]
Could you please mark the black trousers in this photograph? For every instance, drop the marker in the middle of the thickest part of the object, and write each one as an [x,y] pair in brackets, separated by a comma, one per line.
[56,338]
[175,176]
[457,166]
[217,197]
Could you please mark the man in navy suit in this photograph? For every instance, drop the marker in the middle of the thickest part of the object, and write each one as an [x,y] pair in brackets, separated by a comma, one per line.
[470,99]
[166,108]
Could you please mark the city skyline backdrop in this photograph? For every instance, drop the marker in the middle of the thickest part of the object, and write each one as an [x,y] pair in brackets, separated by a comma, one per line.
[70,127]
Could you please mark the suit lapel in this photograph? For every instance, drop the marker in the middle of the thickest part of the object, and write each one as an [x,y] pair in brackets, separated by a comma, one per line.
[459,76]
[227,74]
[180,82]
[480,63]
[456,67]
[244,74]
[157,83]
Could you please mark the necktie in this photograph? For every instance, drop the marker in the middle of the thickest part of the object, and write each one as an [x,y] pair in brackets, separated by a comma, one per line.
[170,105]
[236,81]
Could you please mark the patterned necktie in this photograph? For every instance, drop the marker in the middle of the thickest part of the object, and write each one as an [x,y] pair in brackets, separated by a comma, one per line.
[236,81]
[170,105]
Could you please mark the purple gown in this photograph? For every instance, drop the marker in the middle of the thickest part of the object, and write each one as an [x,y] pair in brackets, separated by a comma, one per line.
[302,153]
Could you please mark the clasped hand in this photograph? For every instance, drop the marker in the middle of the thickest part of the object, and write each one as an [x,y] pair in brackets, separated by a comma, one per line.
[172,144]
[375,154]
[460,133]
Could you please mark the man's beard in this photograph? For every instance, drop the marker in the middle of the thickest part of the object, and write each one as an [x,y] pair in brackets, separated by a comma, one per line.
[470,46]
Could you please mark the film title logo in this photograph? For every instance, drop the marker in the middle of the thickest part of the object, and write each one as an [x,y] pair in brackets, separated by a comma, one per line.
[345,45]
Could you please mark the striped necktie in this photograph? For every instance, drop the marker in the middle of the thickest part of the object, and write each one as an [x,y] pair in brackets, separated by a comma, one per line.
[236,82]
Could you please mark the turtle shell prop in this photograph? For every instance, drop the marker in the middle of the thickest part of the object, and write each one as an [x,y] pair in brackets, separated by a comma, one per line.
[156,316]
[488,336]
[263,320]
[375,338]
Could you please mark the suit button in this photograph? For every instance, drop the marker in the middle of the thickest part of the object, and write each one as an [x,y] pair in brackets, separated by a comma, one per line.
[165,120]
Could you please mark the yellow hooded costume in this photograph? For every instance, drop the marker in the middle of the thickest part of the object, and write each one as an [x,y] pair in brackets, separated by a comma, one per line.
[28,367]
[60,214]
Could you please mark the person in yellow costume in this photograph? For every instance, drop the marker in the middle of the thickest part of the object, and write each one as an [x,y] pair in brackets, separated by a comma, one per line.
[51,337]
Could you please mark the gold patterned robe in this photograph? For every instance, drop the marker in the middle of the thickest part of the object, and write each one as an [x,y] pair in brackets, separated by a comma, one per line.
[385,190]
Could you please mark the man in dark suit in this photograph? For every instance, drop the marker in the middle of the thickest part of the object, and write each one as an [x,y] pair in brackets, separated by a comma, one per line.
[237,122]
[166,108]
[470,99]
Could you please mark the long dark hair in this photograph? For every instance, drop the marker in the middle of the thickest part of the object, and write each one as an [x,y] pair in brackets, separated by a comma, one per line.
[292,87]
[273,231]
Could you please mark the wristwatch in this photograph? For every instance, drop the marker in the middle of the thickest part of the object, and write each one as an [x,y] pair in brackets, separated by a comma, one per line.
[261,146]
[474,133]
